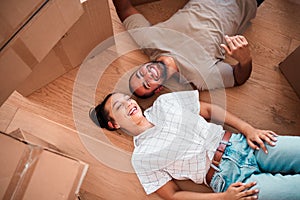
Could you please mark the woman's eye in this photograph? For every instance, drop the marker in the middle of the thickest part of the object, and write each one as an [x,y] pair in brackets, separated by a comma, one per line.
[119,106]
[127,98]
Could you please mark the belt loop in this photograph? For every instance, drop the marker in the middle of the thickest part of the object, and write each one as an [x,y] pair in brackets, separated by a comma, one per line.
[227,143]
[215,167]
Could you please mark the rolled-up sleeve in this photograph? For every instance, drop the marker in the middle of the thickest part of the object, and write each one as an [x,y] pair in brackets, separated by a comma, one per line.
[136,21]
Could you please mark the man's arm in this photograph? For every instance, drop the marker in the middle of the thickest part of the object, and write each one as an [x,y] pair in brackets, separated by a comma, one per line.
[124,9]
[235,191]
[255,137]
[238,48]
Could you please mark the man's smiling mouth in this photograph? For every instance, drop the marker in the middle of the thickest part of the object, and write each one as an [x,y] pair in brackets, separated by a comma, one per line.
[154,72]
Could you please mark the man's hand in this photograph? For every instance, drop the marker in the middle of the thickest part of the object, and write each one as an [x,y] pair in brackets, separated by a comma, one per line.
[240,191]
[238,48]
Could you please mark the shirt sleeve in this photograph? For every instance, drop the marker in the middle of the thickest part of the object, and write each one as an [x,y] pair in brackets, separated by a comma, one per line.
[152,181]
[136,21]
[138,27]
[220,76]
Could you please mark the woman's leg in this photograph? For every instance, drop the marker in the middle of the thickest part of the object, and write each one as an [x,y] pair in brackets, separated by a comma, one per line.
[276,187]
[283,158]
[280,170]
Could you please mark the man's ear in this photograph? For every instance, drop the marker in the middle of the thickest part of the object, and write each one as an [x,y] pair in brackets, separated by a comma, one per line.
[157,90]
[113,125]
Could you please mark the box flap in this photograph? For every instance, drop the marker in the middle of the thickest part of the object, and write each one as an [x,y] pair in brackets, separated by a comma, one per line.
[32,139]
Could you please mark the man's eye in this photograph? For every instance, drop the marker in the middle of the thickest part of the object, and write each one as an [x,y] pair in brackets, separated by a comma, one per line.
[139,74]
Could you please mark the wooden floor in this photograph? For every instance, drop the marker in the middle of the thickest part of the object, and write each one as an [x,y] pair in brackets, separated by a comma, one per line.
[267,101]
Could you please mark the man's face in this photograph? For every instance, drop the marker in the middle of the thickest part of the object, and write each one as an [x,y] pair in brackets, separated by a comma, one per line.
[148,77]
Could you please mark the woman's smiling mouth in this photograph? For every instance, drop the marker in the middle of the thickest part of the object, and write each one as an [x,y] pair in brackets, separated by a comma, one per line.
[132,111]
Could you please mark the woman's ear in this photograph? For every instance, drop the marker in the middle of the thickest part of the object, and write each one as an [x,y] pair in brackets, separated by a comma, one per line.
[113,125]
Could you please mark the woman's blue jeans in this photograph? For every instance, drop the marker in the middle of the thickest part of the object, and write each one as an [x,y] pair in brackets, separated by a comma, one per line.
[277,173]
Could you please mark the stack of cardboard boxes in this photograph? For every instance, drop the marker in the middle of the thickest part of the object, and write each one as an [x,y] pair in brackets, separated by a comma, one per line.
[41,40]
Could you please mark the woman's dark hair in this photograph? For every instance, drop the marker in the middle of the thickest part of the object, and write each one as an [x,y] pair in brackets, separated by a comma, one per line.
[103,115]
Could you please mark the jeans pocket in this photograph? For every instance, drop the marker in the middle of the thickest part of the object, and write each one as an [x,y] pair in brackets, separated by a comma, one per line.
[217,183]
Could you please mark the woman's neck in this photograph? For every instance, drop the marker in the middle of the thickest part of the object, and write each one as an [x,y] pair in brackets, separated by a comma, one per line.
[141,127]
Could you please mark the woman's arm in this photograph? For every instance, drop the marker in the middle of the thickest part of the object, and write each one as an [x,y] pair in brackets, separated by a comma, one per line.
[255,137]
[170,191]
[124,9]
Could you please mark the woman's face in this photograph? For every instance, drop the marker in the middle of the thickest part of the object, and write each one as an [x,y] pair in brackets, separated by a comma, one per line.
[124,110]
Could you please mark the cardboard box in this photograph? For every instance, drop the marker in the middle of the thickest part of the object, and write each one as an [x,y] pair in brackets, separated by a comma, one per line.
[49,25]
[29,31]
[291,70]
[55,39]
[93,27]
[31,171]
[13,15]
[13,71]
[43,73]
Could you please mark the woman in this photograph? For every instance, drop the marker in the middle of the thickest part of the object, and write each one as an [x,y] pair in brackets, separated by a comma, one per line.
[173,140]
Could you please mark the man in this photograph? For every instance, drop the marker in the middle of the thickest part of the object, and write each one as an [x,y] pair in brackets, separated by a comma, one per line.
[191,43]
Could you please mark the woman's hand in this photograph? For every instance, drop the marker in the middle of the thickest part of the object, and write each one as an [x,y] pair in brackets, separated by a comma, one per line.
[240,191]
[256,138]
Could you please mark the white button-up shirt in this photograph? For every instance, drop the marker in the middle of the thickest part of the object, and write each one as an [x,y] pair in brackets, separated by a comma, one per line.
[180,144]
